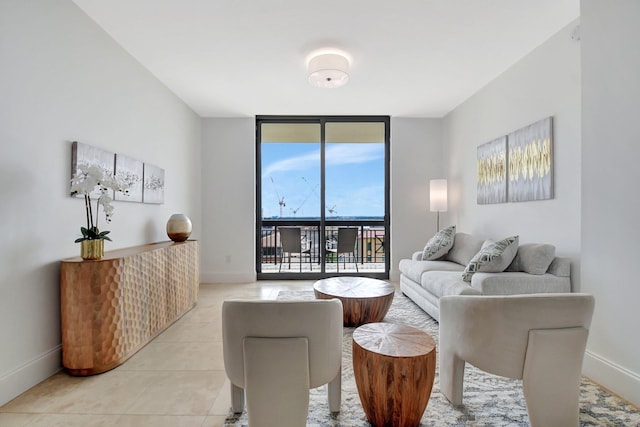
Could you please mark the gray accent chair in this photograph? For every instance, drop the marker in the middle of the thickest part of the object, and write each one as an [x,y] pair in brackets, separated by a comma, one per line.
[275,351]
[539,338]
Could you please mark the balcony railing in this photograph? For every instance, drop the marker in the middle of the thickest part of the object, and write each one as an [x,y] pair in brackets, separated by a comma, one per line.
[317,246]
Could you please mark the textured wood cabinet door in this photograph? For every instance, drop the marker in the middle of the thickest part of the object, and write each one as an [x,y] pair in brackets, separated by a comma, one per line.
[112,307]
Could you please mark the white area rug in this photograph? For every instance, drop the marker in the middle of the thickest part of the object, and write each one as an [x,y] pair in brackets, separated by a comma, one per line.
[488,400]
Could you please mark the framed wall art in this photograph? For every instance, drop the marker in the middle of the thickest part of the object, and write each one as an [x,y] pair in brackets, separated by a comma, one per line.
[131,172]
[492,172]
[530,159]
[87,155]
[153,184]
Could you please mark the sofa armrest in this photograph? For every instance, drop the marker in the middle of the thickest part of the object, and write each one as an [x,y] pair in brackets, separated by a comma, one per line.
[417,256]
[508,283]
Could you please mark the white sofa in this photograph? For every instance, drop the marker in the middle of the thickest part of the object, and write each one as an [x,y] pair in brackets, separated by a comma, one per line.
[535,269]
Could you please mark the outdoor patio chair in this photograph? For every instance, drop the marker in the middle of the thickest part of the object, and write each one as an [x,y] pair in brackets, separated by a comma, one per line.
[346,245]
[291,243]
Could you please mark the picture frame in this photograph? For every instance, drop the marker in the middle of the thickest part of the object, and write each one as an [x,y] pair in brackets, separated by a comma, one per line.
[131,171]
[153,184]
[492,172]
[87,155]
[530,159]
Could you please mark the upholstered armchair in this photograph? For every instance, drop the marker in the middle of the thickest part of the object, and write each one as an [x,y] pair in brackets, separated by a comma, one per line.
[275,351]
[538,338]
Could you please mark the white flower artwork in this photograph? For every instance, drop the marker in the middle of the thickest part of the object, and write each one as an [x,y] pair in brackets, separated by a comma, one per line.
[85,156]
[153,191]
[130,171]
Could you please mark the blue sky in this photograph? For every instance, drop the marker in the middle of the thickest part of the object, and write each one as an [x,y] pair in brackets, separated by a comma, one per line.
[354,175]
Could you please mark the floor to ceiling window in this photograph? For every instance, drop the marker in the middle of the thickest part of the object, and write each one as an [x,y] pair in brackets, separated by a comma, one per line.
[322,196]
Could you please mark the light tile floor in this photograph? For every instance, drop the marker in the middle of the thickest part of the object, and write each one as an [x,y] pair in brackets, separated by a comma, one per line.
[177,380]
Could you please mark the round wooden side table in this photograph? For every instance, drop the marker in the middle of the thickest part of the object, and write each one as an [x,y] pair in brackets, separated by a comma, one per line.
[394,367]
[364,300]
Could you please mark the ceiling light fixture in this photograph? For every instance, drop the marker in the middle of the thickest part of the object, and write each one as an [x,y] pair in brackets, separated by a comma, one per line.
[328,70]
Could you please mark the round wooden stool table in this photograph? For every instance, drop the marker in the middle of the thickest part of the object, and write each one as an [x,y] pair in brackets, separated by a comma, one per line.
[394,367]
[364,300]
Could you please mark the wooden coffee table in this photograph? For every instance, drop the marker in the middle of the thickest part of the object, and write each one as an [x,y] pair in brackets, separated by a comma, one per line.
[364,300]
[394,367]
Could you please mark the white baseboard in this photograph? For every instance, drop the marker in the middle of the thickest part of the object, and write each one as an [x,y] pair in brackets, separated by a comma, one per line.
[612,376]
[25,376]
[212,277]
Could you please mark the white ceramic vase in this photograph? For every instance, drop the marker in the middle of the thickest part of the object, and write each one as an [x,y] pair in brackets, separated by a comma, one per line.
[179,227]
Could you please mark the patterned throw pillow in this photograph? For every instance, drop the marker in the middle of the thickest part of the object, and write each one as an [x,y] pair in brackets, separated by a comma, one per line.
[494,257]
[439,244]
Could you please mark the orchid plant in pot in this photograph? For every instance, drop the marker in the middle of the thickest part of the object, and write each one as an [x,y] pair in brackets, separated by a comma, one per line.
[95,184]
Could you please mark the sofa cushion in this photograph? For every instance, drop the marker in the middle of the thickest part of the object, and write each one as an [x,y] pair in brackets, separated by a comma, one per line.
[533,258]
[441,283]
[414,269]
[493,257]
[510,283]
[465,246]
[560,266]
[439,244]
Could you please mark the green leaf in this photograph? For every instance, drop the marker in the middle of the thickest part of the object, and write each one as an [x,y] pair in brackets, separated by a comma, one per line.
[80,239]
[107,238]
[84,231]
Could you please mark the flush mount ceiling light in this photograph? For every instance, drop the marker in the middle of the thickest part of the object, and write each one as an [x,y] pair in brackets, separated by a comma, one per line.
[328,70]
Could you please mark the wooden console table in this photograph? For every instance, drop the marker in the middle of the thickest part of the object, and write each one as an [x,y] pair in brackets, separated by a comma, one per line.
[112,307]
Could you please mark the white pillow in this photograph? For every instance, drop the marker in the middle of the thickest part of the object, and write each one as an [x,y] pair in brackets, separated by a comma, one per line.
[493,257]
[439,245]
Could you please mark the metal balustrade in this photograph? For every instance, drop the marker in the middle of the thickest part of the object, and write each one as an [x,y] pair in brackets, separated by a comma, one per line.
[370,247]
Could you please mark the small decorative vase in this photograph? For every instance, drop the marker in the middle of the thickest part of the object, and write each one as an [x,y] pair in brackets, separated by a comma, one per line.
[179,227]
[92,249]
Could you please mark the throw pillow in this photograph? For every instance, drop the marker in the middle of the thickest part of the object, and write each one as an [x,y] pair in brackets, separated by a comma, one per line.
[439,244]
[494,257]
[533,258]
[465,247]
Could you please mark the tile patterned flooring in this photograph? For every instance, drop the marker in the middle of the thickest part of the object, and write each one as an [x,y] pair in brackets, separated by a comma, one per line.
[177,380]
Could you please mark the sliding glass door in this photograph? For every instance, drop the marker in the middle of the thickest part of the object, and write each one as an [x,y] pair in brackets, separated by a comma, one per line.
[322,196]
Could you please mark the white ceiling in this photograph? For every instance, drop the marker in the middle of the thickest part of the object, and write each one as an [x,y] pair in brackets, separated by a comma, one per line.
[410,58]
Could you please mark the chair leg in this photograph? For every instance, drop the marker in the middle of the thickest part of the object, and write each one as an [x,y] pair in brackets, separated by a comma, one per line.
[334,392]
[451,376]
[551,378]
[237,399]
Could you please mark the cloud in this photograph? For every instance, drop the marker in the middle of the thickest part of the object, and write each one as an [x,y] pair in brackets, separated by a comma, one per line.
[342,154]
[303,162]
[335,154]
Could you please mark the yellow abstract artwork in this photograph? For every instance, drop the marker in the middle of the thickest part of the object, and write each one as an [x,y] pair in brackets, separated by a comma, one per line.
[530,162]
[492,172]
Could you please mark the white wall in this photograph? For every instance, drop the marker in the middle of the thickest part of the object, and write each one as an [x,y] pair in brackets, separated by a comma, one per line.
[64,79]
[610,200]
[228,176]
[416,158]
[544,83]
[228,200]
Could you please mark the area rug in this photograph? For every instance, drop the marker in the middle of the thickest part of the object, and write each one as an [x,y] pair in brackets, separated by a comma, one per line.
[488,400]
